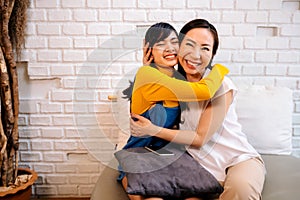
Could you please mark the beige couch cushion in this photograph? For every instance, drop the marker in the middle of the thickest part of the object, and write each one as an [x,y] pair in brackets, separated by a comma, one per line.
[282,179]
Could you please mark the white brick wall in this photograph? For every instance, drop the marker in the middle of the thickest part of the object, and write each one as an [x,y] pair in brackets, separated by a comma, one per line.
[81,51]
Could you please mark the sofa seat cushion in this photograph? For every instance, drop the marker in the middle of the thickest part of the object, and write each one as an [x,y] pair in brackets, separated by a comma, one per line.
[107,186]
[282,178]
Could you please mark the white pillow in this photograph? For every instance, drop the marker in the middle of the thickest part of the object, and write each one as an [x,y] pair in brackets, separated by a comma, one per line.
[266,116]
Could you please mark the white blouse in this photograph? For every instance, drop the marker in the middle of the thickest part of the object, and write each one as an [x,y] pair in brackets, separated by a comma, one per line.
[228,146]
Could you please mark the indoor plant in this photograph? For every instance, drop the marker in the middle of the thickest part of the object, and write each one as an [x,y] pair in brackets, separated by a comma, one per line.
[12,26]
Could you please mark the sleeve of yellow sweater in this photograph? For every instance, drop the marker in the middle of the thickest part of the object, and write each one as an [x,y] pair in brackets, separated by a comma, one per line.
[156,86]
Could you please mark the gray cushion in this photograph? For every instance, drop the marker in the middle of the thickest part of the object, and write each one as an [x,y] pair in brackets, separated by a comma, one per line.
[149,174]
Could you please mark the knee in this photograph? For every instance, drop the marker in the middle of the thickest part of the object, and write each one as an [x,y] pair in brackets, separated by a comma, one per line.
[240,189]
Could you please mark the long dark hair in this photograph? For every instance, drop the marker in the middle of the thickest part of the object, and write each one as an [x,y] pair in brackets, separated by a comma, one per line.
[155,33]
[199,23]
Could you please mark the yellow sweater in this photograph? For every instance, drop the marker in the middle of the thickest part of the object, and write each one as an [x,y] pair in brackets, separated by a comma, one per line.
[151,86]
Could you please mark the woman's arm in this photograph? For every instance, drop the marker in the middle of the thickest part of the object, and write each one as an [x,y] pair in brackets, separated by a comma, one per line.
[150,80]
[211,119]
[152,86]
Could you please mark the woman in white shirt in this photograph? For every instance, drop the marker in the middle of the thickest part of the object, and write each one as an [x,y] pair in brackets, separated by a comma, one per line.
[210,129]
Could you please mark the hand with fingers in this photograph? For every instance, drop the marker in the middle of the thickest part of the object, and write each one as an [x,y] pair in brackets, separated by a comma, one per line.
[147,54]
[142,127]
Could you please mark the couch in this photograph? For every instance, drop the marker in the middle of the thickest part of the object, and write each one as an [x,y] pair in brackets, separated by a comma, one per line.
[266,117]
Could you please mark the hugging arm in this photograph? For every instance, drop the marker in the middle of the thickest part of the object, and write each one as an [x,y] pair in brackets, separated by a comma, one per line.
[150,80]
[209,122]
[152,86]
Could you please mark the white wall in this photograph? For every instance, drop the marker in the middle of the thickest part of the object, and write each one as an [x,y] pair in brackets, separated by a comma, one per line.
[80,51]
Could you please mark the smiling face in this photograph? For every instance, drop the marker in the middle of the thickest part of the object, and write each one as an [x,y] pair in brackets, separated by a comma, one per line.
[196,52]
[165,51]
